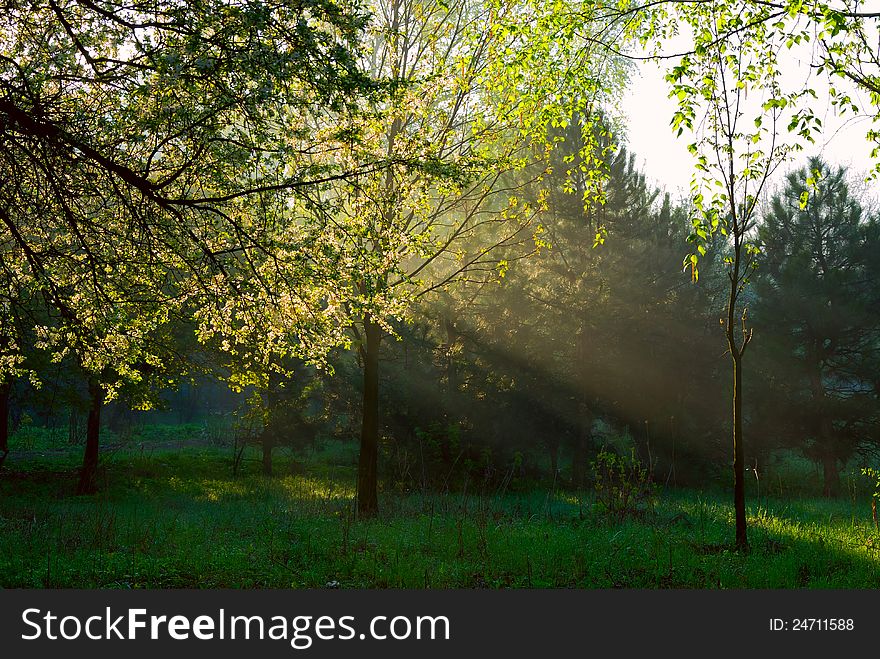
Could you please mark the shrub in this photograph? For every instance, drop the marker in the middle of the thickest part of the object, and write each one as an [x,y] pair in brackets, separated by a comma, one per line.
[874,476]
[623,484]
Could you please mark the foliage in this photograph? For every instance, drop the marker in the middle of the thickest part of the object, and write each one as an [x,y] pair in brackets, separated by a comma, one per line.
[873,476]
[548,65]
[816,303]
[263,194]
[551,349]
[137,143]
[623,484]
[176,519]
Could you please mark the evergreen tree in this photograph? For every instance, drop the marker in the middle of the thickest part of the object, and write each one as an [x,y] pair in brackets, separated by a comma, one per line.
[818,295]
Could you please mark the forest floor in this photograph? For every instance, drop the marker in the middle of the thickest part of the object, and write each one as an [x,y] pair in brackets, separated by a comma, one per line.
[177,517]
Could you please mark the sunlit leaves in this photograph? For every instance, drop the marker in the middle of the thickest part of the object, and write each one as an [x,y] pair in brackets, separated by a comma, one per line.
[146,153]
[548,65]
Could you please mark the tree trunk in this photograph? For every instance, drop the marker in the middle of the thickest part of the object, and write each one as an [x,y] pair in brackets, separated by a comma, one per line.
[736,357]
[271,433]
[554,459]
[739,482]
[451,367]
[579,460]
[368,475]
[267,445]
[830,475]
[585,412]
[823,427]
[89,474]
[5,389]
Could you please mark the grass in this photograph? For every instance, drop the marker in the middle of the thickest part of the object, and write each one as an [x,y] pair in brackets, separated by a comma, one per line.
[31,438]
[179,519]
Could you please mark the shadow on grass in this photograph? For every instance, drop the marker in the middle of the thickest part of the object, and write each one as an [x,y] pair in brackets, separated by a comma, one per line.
[175,521]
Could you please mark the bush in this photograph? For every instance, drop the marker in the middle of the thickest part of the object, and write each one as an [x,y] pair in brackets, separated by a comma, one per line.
[623,484]
[873,476]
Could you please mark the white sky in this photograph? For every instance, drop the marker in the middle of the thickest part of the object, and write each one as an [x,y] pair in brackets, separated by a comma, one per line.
[665,159]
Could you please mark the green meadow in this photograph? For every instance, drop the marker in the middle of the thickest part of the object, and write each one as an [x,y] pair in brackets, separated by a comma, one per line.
[172,515]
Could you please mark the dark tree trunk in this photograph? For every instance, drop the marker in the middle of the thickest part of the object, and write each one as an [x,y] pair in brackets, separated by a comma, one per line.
[585,413]
[823,428]
[267,444]
[739,481]
[579,460]
[73,427]
[453,399]
[271,431]
[736,356]
[88,477]
[368,474]
[554,459]
[830,475]
[5,389]
[451,367]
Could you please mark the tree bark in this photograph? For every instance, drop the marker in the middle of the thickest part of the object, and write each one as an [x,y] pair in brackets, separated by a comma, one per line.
[739,482]
[830,475]
[88,477]
[5,389]
[270,436]
[451,367]
[585,412]
[368,475]
[736,356]
[579,460]
[553,449]
[267,445]
[824,427]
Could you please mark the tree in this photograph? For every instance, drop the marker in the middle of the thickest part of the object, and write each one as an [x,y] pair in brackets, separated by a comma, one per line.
[578,283]
[738,147]
[14,319]
[565,331]
[155,129]
[732,47]
[838,39]
[134,143]
[444,207]
[817,296]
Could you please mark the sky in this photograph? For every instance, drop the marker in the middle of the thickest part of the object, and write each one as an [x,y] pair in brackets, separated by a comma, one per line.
[665,159]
